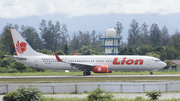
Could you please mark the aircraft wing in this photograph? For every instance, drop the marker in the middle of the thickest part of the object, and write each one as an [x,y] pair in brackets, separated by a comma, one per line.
[79,66]
[82,66]
[15,57]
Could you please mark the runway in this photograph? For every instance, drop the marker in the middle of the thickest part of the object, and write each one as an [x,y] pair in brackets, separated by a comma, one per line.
[82,76]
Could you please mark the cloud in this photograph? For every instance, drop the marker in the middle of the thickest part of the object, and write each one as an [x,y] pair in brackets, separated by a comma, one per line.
[72,8]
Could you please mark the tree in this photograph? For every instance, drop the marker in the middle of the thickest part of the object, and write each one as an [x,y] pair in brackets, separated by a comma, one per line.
[168,62]
[64,35]
[133,33]
[20,67]
[84,38]
[86,50]
[144,35]
[45,51]
[75,43]
[23,94]
[165,36]
[131,51]
[6,39]
[93,38]
[174,40]
[169,53]
[5,62]
[47,34]
[123,51]
[66,49]
[119,28]
[60,52]
[153,54]
[57,36]
[155,35]
[31,36]
[127,51]
[143,49]
[99,95]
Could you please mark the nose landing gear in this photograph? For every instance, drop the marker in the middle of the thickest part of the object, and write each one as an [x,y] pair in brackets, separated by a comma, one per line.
[151,73]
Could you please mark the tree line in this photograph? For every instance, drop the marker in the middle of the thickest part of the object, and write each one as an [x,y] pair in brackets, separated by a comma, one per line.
[154,36]
[153,41]
[142,40]
[51,37]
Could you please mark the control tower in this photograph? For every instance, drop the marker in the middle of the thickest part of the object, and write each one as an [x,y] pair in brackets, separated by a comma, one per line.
[111,42]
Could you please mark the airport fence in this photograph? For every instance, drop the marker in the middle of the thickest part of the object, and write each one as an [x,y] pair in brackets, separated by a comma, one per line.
[88,87]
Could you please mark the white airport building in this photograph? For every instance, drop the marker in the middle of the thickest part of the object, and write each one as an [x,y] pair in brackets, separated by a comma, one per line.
[111,42]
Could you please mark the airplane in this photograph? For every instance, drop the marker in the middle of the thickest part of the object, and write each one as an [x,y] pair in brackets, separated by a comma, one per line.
[87,63]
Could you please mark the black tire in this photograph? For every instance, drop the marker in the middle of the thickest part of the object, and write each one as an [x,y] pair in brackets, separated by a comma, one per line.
[88,73]
[85,73]
[151,73]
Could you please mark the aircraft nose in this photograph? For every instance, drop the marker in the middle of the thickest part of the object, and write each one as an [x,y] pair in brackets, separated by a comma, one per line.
[163,64]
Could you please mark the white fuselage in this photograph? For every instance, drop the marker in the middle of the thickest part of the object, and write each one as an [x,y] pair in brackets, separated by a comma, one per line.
[113,62]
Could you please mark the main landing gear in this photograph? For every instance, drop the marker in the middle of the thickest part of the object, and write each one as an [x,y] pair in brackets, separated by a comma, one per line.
[87,73]
[151,73]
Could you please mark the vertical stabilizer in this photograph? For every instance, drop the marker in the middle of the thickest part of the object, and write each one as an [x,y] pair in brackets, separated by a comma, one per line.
[22,48]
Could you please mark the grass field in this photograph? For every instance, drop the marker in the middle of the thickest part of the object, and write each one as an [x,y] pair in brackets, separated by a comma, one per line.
[49,72]
[85,99]
[89,79]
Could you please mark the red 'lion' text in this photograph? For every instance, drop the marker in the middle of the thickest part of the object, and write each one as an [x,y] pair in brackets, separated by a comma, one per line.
[128,62]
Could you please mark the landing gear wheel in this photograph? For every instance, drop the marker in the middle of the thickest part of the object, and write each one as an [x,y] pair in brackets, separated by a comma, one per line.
[151,73]
[87,73]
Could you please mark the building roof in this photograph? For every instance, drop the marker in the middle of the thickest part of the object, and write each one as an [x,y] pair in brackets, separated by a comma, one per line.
[177,62]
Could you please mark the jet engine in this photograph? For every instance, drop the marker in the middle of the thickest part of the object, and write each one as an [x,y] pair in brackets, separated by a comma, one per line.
[102,69]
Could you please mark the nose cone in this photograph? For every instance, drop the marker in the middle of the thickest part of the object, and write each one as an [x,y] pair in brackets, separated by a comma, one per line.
[163,64]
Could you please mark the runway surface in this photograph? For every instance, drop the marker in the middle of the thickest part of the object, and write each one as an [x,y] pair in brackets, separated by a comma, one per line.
[82,76]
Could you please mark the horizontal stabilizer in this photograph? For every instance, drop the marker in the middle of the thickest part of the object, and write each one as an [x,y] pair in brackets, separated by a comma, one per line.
[15,57]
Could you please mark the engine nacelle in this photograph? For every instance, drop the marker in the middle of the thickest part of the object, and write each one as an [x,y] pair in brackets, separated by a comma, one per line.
[102,69]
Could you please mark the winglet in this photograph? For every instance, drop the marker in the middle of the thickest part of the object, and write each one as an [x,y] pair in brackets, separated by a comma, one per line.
[58,59]
[74,53]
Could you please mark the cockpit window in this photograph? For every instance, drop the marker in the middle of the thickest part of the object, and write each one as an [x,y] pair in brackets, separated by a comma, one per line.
[156,60]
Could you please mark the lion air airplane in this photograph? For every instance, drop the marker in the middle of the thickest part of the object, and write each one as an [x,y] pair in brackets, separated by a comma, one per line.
[98,64]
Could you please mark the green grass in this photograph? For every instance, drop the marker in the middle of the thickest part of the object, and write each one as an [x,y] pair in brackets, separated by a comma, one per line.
[89,79]
[85,99]
[48,73]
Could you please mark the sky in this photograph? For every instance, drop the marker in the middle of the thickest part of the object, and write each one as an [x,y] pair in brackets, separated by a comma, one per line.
[91,15]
